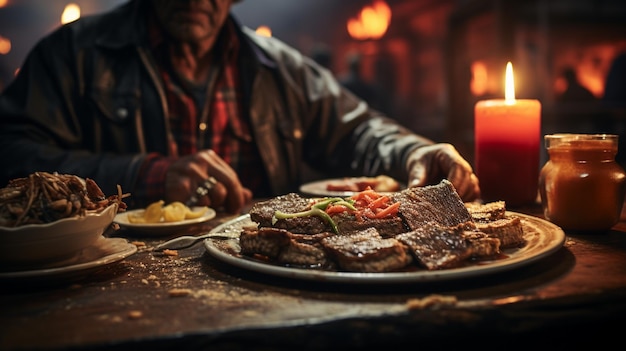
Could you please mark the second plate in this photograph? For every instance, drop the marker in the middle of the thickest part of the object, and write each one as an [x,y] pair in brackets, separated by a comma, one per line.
[161,228]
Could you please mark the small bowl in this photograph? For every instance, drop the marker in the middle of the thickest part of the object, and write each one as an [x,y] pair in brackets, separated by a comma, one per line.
[43,243]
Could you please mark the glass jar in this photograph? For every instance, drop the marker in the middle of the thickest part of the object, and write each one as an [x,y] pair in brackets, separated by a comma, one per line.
[581,186]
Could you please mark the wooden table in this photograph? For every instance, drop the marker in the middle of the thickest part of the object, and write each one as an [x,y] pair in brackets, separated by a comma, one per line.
[573,297]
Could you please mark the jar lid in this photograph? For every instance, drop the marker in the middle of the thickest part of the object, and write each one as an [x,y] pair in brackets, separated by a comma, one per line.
[552,140]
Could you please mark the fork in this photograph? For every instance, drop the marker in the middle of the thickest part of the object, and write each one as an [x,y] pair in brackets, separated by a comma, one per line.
[185,241]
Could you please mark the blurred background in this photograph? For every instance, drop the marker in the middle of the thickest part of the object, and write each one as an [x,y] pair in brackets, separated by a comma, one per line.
[424,62]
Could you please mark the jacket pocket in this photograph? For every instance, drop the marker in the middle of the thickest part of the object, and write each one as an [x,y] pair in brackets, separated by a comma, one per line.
[115,106]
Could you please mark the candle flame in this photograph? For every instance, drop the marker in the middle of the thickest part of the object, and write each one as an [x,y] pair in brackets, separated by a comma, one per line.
[509,87]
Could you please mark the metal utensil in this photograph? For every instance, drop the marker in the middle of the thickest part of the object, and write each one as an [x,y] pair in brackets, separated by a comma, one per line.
[185,241]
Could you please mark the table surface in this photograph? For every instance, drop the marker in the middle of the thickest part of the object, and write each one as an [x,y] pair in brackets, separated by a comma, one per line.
[192,301]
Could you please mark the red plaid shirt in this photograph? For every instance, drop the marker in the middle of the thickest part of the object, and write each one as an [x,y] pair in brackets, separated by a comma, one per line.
[221,128]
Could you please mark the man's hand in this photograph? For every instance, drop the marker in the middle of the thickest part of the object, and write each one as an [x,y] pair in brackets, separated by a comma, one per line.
[428,165]
[186,174]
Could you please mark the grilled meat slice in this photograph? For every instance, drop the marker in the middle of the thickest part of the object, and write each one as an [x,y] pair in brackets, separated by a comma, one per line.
[303,254]
[509,230]
[386,227]
[285,247]
[265,241]
[488,212]
[436,247]
[439,203]
[366,251]
[263,212]
[482,245]
[491,218]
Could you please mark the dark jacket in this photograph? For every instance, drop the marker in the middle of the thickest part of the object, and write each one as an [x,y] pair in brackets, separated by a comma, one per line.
[89,101]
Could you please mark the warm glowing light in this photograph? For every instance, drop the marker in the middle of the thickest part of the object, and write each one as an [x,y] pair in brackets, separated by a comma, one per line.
[372,22]
[3,3]
[509,88]
[5,45]
[264,31]
[478,85]
[70,13]
[507,134]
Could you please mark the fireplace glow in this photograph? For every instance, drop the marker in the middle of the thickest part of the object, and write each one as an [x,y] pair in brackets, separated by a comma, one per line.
[372,21]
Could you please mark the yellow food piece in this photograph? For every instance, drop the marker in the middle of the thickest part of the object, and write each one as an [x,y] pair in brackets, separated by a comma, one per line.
[136,218]
[153,212]
[195,214]
[174,212]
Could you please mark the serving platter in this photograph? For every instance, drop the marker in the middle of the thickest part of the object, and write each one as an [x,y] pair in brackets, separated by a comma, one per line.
[542,239]
[103,252]
[162,228]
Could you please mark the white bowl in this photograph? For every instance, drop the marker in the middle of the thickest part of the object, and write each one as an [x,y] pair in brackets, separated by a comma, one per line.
[42,243]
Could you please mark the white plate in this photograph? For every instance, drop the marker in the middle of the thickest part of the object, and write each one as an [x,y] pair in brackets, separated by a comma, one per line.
[542,239]
[103,252]
[319,188]
[162,228]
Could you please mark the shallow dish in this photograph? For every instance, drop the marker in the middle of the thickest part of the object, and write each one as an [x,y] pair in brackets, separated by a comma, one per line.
[542,239]
[162,228]
[319,188]
[41,243]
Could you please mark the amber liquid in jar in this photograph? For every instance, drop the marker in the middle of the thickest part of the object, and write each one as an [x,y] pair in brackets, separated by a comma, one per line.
[581,186]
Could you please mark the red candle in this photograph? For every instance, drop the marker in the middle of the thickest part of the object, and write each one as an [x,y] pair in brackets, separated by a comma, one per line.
[507,137]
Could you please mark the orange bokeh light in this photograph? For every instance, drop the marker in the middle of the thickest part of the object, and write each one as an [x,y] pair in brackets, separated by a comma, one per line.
[478,85]
[5,45]
[371,23]
[264,31]
[70,13]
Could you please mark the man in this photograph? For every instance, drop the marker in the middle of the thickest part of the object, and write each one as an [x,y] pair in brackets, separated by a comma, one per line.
[159,96]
